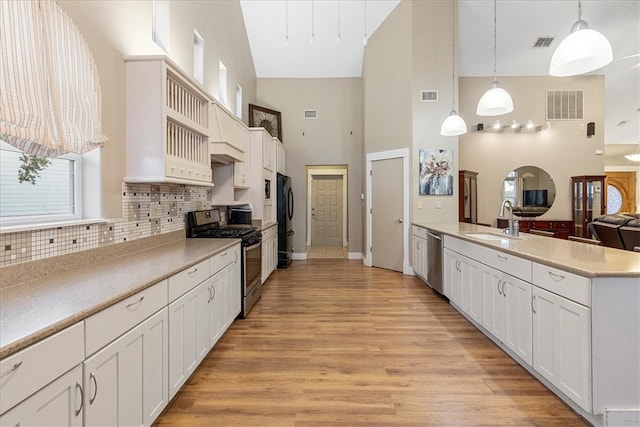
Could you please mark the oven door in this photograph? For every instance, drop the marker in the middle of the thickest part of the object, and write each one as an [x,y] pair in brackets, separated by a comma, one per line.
[252,265]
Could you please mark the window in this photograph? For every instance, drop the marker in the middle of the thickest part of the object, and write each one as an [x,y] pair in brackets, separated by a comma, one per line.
[222,83]
[198,57]
[161,13]
[54,197]
[510,189]
[239,101]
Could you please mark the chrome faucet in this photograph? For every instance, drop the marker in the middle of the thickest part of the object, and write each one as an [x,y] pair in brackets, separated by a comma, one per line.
[514,226]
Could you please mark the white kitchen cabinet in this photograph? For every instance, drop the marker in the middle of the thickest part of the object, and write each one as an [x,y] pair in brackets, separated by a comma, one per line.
[24,372]
[506,311]
[188,334]
[58,404]
[562,344]
[241,173]
[228,142]
[452,276]
[269,251]
[463,277]
[471,288]
[281,164]
[419,251]
[167,117]
[125,383]
[269,153]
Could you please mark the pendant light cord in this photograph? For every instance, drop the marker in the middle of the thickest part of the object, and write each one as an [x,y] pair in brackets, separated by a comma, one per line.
[453,58]
[495,25]
[579,10]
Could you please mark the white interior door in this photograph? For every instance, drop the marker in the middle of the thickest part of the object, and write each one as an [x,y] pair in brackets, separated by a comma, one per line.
[387,212]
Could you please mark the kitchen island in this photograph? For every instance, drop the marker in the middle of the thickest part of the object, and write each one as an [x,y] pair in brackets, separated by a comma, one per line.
[568,312]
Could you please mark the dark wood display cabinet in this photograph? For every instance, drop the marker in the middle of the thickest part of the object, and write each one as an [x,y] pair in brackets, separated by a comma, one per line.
[588,201]
[561,229]
[468,196]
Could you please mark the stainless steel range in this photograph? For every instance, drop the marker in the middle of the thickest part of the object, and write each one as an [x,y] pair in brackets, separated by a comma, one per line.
[206,224]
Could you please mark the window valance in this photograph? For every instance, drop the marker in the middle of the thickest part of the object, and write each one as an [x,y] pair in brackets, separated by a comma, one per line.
[49,88]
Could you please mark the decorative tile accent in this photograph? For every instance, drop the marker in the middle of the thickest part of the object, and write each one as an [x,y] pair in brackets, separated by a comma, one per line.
[147,210]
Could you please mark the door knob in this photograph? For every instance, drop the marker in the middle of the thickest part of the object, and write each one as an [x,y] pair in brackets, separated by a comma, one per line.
[398,221]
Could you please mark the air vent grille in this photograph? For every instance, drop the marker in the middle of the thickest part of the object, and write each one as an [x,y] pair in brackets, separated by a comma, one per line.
[310,114]
[565,104]
[429,95]
[543,42]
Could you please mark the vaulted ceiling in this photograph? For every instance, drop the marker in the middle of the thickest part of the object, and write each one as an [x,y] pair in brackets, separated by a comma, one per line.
[519,24]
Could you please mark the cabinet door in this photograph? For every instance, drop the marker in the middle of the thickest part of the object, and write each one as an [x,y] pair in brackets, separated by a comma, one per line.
[241,174]
[188,334]
[60,403]
[519,317]
[562,345]
[267,152]
[236,284]
[493,302]
[118,382]
[419,256]
[217,315]
[451,275]
[471,288]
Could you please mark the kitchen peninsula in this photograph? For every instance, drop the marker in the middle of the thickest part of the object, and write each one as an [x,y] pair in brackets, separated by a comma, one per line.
[568,312]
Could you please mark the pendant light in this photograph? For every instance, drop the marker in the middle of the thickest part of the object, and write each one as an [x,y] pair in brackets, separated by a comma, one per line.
[635,157]
[496,100]
[453,125]
[583,50]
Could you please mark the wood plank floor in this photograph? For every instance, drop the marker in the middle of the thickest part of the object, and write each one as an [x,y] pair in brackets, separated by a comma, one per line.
[334,343]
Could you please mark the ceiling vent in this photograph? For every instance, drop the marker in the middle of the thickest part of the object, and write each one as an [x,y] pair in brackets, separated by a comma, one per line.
[543,42]
[310,114]
[429,96]
[565,104]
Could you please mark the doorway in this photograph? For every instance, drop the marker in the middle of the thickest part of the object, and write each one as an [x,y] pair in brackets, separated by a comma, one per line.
[327,212]
[388,210]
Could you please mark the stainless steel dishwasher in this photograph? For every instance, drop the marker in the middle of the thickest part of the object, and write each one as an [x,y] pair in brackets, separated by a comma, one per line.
[434,261]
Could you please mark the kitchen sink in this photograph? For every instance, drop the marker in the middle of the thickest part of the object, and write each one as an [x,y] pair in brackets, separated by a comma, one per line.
[489,236]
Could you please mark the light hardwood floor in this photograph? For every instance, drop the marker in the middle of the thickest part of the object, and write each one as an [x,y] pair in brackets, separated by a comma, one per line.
[334,343]
[328,252]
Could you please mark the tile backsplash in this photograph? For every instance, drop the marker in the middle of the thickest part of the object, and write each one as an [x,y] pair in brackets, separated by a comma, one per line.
[148,210]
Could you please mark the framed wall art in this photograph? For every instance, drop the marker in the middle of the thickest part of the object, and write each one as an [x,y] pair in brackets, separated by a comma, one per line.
[435,172]
[267,118]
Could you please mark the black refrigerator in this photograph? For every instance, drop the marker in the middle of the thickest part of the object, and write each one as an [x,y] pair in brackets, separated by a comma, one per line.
[284,216]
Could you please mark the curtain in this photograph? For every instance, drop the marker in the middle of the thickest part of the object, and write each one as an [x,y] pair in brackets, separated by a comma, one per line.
[49,87]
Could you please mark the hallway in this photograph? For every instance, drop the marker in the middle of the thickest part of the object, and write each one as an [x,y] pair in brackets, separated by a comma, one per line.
[334,343]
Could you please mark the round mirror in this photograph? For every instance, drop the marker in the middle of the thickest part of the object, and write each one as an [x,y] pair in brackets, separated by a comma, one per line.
[530,189]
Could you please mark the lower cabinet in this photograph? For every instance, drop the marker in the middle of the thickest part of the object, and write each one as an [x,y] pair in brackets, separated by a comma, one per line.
[269,252]
[419,251]
[126,382]
[506,311]
[188,334]
[463,283]
[58,404]
[562,344]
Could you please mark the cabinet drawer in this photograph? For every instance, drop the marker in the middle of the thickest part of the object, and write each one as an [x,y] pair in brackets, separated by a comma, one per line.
[513,265]
[419,231]
[31,369]
[183,282]
[568,285]
[221,260]
[470,250]
[110,323]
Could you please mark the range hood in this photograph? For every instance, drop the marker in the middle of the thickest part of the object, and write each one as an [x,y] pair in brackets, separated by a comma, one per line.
[228,137]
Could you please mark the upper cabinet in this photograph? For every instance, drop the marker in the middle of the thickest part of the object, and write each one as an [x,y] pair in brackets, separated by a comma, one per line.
[167,124]
[229,136]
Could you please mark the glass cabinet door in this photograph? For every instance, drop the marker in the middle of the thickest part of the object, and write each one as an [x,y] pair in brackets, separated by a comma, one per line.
[588,202]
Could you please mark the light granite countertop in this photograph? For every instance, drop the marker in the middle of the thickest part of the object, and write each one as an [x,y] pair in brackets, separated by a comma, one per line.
[575,257]
[39,308]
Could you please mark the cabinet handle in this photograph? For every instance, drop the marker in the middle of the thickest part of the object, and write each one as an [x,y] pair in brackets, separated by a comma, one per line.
[499,291]
[502,258]
[556,277]
[223,255]
[210,297]
[532,307]
[135,303]
[79,387]
[213,289]
[195,270]
[12,370]
[504,294]
[95,386]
